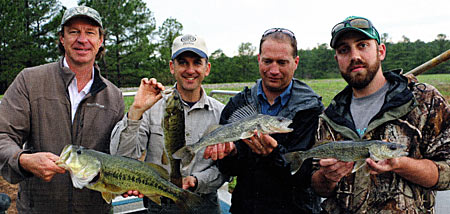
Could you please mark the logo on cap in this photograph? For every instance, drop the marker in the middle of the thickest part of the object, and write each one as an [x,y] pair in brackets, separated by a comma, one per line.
[188,39]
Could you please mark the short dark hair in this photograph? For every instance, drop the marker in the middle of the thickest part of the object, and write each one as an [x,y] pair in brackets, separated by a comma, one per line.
[280,37]
[101,50]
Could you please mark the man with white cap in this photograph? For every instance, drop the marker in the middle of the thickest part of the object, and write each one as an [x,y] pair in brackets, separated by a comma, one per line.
[141,130]
[49,106]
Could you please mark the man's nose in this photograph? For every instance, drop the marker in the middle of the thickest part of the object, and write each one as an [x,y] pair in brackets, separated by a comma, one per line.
[82,38]
[274,68]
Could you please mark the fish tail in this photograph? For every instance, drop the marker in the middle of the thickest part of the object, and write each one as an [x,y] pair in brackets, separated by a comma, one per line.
[296,160]
[189,202]
[186,154]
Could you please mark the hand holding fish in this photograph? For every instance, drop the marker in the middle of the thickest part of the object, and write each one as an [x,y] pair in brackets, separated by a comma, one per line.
[382,166]
[148,94]
[190,183]
[423,172]
[133,193]
[41,164]
[330,173]
[262,144]
[219,151]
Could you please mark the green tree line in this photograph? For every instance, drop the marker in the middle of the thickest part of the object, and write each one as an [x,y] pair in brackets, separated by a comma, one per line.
[137,48]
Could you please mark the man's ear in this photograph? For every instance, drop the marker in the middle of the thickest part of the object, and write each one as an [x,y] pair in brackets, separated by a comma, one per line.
[382,51]
[171,66]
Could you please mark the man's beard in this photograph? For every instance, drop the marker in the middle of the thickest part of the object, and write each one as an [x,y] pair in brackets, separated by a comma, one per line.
[361,80]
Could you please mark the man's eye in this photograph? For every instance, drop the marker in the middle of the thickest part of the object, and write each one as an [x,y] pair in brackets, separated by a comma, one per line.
[342,50]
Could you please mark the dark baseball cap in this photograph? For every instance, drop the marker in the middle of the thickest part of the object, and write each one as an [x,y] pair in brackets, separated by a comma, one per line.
[354,23]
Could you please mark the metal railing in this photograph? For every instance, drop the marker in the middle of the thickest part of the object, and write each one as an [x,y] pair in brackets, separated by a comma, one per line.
[220,92]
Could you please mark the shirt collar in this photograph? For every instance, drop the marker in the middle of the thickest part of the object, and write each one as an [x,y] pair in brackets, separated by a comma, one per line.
[201,103]
[283,96]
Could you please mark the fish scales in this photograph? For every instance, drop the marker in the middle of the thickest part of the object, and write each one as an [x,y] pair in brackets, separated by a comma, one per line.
[174,133]
[127,176]
[348,151]
[241,129]
[114,175]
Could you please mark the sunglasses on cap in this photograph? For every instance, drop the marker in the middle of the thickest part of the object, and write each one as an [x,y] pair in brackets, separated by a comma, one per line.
[356,23]
[281,30]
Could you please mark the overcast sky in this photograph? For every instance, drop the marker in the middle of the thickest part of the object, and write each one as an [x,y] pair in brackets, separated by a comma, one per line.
[225,24]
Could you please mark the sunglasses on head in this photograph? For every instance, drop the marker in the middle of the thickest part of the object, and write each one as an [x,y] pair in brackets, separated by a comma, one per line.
[282,30]
[360,23]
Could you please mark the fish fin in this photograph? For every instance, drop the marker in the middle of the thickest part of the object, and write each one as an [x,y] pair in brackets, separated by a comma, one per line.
[188,202]
[159,169]
[108,197]
[155,198]
[246,135]
[186,154]
[358,165]
[211,128]
[164,158]
[242,112]
[295,159]
[113,188]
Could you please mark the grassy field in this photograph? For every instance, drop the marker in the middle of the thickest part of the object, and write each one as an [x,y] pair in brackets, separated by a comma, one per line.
[327,88]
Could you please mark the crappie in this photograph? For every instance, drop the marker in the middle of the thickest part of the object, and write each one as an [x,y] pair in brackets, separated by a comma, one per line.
[240,129]
[173,126]
[348,151]
[114,175]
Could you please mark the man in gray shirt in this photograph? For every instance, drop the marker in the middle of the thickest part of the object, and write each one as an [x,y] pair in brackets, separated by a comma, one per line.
[141,130]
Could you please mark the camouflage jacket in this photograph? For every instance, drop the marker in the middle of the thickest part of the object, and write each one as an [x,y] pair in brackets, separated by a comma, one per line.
[413,114]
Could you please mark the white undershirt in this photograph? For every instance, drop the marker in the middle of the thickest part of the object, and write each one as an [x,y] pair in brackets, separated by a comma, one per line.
[75,97]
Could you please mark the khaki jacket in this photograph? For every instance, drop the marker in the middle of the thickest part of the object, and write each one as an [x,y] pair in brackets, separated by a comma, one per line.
[413,114]
[35,116]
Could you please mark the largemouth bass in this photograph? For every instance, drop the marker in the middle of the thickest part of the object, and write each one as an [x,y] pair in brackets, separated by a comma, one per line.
[114,175]
[348,151]
[174,134]
[240,129]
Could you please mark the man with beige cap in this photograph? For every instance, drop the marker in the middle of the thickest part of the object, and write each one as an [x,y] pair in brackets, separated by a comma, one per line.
[141,130]
[52,105]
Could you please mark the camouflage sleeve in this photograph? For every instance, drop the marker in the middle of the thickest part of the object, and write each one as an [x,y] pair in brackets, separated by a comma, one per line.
[436,132]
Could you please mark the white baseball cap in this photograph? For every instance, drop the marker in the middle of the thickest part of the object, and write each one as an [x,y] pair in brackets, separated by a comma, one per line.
[189,42]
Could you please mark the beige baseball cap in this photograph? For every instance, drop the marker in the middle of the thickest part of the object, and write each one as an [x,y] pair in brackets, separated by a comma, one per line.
[189,42]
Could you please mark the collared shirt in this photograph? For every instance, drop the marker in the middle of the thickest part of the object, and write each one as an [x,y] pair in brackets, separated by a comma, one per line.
[131,138]
[75,96]
[278,103]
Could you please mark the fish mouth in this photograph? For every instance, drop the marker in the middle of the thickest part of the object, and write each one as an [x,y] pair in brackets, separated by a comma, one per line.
[65,155]
[95,179]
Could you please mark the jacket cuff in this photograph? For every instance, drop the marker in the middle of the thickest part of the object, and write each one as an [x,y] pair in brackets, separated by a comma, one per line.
[17,173]
[132,124]
[444,176]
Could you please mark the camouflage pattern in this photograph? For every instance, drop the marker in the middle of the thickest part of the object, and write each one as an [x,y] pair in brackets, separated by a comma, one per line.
[82,11]
[424,130]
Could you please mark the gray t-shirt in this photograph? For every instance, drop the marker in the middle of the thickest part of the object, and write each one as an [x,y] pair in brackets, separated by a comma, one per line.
[363,109]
